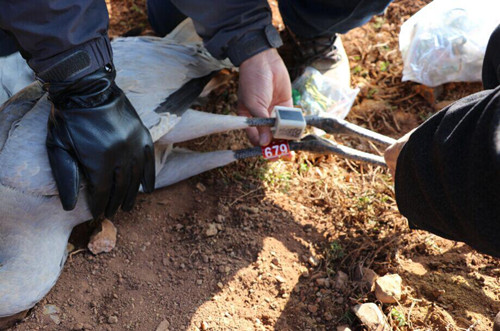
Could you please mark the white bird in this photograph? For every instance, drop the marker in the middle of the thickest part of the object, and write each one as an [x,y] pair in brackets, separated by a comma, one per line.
[162,74]
[34,229]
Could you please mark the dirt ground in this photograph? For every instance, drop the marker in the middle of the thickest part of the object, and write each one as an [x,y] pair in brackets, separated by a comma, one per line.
[282,228]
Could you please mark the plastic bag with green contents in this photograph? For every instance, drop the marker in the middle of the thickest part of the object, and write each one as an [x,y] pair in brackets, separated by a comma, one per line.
[320,95]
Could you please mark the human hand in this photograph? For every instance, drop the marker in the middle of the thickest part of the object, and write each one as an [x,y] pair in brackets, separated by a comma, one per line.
[391,154]
[94,128]
[264,83]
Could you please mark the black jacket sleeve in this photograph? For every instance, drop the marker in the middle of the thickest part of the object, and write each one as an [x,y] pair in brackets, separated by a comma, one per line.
[232,28]
[448,173]
[61,40]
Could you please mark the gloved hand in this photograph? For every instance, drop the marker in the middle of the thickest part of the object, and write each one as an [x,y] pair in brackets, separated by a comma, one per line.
[94,128]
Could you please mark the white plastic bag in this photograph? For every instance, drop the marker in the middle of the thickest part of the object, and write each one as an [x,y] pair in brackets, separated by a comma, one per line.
[320,95]
[446,40]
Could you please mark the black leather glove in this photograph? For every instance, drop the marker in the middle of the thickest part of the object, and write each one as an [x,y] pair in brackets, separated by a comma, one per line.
[94,128]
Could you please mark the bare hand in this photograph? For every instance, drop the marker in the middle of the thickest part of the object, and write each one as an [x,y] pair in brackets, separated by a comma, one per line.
[264,83]
[391,154]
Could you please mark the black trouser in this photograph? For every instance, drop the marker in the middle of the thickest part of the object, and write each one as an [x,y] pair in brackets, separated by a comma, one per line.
[306,18]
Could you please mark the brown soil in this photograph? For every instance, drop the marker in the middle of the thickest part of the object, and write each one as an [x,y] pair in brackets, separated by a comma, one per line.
[280,227]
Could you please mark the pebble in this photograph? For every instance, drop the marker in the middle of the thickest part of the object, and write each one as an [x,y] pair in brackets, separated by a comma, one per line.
[369,278]
[313,261]
[388,288]
[52,311]
[341,279]
[103,240]
[343,328]
[323,282]
[327,316]
[201,187]
[112,319]
[312,308]
[212,230]
[371,316]
[280,279]
[204,326]
[163,326]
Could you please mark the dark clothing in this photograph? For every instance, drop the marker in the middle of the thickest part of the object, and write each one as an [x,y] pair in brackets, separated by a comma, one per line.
[7,44]
[314,18]
[163,16]
[230,28]
[491,64]
[50,32]
[448,173]
[239,29]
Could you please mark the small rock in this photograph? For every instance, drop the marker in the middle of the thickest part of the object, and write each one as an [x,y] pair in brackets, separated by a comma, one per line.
[201,187]
[52,311]
[323,282]
[496,323]
[199,282]
[78,326]
[204,326]
[220,218]
[369,278]
[312,308]
[313,261]
[112,319]
[371,316]
[388,288]
[212,230]
[280,279]
[103,240]
[327,316]
[343,328]
[341,279]
[163,326]
[55,318]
